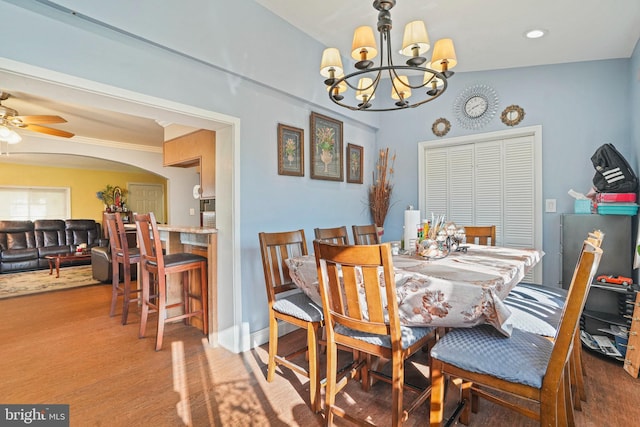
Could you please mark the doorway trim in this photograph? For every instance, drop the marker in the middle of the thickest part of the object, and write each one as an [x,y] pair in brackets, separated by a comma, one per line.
[88,92]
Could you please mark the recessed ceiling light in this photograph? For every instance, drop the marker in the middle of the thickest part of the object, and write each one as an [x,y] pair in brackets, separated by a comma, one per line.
[535,33]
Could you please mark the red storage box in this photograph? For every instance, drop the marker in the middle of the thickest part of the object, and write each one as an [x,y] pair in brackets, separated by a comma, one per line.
[616,197]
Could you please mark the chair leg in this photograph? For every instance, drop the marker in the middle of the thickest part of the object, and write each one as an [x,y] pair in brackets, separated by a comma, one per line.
[331,386]
[397,415]
[204,297]
[314,365]
[467,396]
[115,284]
[186,301]
[162,309]
[567,406]
[576,354]
[437,393]
[127,293]
[144,313]
[273,347]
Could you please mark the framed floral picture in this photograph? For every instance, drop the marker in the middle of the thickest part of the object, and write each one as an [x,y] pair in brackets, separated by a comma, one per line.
[354,163]
[290,150]
[326,148]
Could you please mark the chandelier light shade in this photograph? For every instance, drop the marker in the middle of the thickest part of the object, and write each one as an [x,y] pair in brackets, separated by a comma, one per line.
[400,88]
[444,57]
[420,79]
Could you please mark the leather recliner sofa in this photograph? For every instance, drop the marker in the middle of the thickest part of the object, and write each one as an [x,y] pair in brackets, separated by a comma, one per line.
[24,244]
[101,261]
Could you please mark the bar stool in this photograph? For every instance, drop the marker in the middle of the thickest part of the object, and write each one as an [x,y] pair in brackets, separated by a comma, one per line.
[155,267]
[121,254]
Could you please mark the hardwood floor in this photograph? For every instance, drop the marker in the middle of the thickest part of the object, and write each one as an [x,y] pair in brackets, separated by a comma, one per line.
[62,347]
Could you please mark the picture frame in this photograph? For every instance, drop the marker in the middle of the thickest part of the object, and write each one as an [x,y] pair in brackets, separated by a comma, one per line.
[354,163]
[326,148]
[290,150]
[117,197]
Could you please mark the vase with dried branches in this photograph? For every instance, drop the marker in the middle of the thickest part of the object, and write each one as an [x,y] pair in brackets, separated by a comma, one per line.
[381,189]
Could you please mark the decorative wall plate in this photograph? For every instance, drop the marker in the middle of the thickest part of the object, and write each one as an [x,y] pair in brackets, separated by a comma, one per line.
[512,115]
[441,127]
[475,106]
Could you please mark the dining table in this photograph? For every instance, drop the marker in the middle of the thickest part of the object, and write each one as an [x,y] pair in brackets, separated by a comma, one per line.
[464,289]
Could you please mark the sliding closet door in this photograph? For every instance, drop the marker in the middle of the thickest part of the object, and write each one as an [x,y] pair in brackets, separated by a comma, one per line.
[485,180]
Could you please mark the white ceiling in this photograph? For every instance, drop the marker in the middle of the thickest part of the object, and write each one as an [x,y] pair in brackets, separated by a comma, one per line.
[487,34]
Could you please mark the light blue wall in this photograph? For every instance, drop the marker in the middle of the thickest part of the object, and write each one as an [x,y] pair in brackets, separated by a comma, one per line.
[242,61]
[580,106]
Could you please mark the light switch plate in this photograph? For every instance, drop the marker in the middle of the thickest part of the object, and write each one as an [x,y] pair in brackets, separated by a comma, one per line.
[192,211]
[550,205]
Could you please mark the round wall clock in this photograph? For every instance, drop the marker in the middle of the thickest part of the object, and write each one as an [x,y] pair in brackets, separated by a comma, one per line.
[475,106]
[512,115]
[441,127]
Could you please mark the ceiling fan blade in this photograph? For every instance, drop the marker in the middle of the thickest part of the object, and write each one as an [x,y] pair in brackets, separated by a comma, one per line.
[40,119]
[48,131]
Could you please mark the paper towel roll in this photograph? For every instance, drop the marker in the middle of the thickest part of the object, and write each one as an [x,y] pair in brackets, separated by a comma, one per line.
[411,221]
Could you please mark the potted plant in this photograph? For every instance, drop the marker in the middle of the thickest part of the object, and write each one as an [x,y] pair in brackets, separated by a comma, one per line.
[108,197]
[381,189]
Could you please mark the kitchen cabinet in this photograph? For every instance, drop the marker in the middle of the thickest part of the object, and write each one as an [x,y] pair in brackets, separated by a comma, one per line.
[196,149]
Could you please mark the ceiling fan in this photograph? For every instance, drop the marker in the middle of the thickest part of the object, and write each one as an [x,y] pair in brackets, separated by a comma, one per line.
[10,118]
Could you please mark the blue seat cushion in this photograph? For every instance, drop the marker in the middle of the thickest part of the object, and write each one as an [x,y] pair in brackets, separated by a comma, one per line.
[299,305]
[544,294]
[534,317]
[410,335]
[522,358]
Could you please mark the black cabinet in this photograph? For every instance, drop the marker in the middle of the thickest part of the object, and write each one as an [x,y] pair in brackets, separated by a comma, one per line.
[617,257]
[608,306]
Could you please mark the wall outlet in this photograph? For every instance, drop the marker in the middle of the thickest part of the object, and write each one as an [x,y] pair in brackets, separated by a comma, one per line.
[550,205]
[192,211]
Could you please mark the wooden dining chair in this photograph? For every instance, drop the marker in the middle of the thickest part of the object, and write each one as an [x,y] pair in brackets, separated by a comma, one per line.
[121,255]
[537,308]
[524,366]
[155,268]
[296,309]
[365,234]
[481,235]
[361,314]
[337,235]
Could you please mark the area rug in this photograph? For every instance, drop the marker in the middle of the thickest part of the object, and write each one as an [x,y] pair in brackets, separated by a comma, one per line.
[33,282]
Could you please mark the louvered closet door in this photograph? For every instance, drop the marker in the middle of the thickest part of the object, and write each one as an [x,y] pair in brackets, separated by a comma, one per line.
[484,183]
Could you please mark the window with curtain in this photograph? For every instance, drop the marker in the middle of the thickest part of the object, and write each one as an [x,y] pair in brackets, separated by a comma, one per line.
[31,203]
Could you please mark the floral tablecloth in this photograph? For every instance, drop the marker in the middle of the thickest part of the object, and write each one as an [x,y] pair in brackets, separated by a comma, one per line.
[462,290]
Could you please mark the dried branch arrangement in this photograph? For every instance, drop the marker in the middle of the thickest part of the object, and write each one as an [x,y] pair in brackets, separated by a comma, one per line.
[380,192]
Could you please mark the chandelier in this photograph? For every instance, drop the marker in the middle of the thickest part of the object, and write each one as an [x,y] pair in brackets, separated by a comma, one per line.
[419,80]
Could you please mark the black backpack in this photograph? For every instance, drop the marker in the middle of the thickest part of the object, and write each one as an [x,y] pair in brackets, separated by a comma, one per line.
[613,173]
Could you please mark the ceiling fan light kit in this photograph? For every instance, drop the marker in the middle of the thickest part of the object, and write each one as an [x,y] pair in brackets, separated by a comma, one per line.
[9,119]
[420,80]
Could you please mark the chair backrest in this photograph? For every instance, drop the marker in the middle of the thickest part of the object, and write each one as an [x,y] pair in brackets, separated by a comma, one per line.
[118,241]
[366,235]
[337,235]
[353,294]
[276,248]
[481,235]
[149,241]
[583,274]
